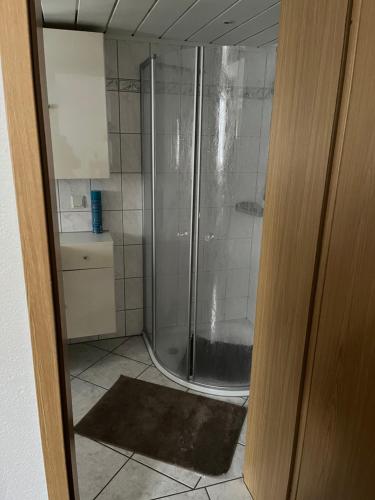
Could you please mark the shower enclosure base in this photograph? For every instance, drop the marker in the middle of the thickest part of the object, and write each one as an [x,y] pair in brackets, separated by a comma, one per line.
[206,389]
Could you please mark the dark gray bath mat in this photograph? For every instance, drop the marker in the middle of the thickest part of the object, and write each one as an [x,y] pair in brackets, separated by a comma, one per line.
[183,429]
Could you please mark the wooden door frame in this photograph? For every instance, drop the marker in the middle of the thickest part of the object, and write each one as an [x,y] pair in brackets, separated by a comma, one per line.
[28,124]
[22,59]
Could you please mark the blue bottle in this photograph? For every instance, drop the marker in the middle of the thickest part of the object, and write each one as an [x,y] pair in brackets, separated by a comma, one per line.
[96,211]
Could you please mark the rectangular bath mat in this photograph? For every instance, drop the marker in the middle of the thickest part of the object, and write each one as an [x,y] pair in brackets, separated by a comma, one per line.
[166,424]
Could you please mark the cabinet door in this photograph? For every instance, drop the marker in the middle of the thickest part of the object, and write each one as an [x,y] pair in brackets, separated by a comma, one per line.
[77,105]
[89,302]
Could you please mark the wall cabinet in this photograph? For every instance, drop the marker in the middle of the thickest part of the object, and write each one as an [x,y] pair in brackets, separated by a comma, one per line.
[77,103]
[88,278]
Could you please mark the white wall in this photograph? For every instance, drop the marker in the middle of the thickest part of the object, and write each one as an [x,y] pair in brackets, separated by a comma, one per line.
[21,462]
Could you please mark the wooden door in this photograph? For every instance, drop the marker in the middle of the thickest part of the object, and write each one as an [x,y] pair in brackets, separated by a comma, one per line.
[22,61]
[311,56]
[337,442]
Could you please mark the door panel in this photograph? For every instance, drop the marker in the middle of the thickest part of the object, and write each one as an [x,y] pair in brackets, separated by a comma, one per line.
[337,459]
[312,37]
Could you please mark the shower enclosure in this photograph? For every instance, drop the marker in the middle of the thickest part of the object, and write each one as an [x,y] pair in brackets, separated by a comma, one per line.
[205,115]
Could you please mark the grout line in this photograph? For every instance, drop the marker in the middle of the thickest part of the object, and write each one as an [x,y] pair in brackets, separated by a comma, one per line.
[92,383]
[131,359]
[108,350]
[131,453]
[96,496]
[77,375]
[92,364]
[161,473]
[224,482]
[150,366]
[175,494]
[195,487]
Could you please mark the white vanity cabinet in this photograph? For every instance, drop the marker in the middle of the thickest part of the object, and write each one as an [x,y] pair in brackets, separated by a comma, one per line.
[88,278]
[77,103]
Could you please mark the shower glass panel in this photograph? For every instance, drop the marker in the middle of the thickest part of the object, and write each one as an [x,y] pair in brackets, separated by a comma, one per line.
[146,130]
[231,206]
[174,132]
[205,128]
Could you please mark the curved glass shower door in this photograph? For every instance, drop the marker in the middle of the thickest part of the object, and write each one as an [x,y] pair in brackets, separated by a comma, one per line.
[231,208]
[205,128]
[173,96]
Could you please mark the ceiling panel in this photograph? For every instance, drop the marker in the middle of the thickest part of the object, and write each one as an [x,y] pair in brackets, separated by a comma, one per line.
[94,13]
[200,14]
[129,13]
[58,12]
[240,12]
[263,38]
[258,23]
[162,15]
[223,22]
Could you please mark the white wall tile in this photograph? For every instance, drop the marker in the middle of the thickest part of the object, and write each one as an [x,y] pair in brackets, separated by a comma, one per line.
[249,118]
[235,308]
[113,117]
[74,187]
[167,113]
[131,152]
[270,66]
[75,221]
[111,191]
[134,293]
[246,154]
[133,261]
[239,251]
[112,222]
[132,191]
[132,227]
[120,323]
[131,55]
[134,322]
[265,134]
[240,224]
[110,58]
[253,62]
[120,295]
[118,256]
[114,152]
[130,119]
[237,283]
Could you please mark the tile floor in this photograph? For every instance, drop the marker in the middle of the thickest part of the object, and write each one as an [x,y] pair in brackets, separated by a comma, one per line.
[109,473]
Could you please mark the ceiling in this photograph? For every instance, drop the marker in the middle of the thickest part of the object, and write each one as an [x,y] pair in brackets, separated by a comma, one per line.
[222,22]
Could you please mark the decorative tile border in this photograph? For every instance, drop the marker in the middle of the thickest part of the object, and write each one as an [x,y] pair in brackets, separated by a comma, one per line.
[111,84]
[129,86]
[174,88]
